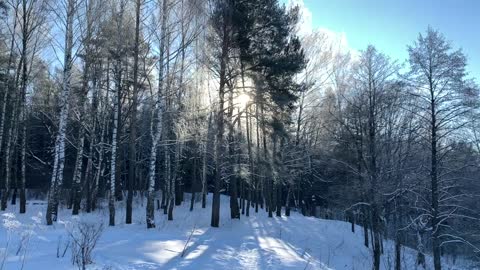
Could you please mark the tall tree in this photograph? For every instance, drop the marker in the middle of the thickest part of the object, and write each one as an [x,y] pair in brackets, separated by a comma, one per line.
[372,76]
[222,24]
[157,122]
[132,151]
[59,156]
[438,81]
[92,16]
[33,21]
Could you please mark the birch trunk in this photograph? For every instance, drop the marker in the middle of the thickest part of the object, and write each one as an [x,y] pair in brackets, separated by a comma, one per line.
[150,217]
[99,147]
[59,156]
[8,155]
[113,165]
[156,134]
[10,66]
[77,173]
[8,86]
[10,150]
[12,137]
[23,197]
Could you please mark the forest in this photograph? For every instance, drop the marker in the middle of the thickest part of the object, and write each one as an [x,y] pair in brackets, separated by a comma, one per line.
[105,104]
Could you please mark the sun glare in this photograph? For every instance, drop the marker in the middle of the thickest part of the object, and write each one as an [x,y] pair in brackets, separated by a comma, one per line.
[242,101]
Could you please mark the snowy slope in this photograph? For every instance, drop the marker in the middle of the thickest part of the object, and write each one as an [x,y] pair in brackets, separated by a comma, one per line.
[257,242]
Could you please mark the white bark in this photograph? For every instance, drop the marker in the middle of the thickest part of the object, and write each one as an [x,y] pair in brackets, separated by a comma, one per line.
[59,156]
[7,85]
[8,150]
[100,150]
[111,198]
[156,133]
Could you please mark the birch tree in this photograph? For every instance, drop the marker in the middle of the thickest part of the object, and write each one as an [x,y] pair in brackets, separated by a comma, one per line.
[32,27]
[118,74]
[8,84]
[157,123]
[59,155]
[88,35]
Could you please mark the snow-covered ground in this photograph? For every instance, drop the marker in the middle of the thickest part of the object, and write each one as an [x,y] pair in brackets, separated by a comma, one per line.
[257,242]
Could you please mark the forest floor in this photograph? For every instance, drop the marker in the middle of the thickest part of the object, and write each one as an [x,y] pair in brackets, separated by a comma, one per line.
[255,242]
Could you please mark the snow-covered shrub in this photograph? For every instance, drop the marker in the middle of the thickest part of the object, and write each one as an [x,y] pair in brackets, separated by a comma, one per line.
[62,246]
[18,234]
[84,237]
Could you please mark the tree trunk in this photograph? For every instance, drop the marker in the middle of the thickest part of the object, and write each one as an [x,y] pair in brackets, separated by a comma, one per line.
[352,220]
[194,181]
[287,201]
[23,199]
[9,82]
[365,229]
[156,134]
[434,185]
[77,172]
[113,165]
[164,195]
[59,157]
[92,190]
[253,184]
[233,171]
[150,217]
[215,221]
[204,162]
[421,252]
[115,136]
[279,200]
[23,114]
[269,178]
[398,252]
[168,181]
[132,152]
[100,147]
[9,152]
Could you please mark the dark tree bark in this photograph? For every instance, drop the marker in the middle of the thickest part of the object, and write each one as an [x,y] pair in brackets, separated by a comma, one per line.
[225,36]
[132,152]
[233,165]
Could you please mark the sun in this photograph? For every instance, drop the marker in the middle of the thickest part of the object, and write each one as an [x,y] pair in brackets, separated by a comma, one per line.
[242,101]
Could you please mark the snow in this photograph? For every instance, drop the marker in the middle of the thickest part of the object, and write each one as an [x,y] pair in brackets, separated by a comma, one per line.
[255,242]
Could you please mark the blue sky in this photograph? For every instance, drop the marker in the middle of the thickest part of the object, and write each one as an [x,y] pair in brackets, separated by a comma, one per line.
[391,25]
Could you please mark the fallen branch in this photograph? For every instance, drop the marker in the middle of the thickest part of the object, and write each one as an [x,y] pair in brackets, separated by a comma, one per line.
[188,241]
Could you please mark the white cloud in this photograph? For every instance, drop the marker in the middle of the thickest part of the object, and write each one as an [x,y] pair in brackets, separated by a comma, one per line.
[305,24]
[306,29]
